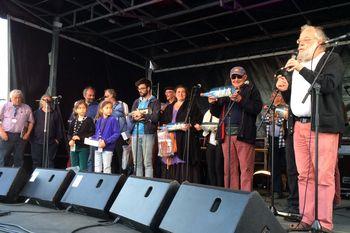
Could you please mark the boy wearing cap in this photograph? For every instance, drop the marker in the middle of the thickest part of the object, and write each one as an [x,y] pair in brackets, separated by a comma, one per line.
[238,129]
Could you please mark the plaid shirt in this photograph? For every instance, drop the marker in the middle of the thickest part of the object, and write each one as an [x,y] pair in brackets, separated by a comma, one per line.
[280,122]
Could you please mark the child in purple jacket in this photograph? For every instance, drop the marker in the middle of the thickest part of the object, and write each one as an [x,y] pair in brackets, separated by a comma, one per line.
[107,133]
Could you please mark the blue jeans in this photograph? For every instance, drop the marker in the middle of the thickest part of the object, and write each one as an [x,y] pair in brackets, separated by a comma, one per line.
[16,145]
[144,152]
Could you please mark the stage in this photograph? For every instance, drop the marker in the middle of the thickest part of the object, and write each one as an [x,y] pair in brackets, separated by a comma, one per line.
[37,219]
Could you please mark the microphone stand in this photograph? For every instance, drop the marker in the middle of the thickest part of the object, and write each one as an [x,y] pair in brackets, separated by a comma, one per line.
[228,114]
[188,132]
[271,107]
[272,207]
[137,146]
[45,158]
[316,225]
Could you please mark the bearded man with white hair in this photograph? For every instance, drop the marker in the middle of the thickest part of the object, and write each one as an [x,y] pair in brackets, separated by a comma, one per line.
[311,57]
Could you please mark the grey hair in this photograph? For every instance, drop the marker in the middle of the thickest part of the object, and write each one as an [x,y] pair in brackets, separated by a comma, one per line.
[319,33]
[112,92]
[42,97]
[88,88]
[16,92]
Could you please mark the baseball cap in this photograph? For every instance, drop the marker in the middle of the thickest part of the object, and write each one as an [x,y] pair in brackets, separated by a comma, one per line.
[237,70]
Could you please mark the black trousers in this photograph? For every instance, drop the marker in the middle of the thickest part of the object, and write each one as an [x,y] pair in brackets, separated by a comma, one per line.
[37,154]
[117,156]
[292,174]
[279,165]
[215,164]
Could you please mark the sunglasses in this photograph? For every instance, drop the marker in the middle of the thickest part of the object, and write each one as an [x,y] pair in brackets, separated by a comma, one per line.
[236,76]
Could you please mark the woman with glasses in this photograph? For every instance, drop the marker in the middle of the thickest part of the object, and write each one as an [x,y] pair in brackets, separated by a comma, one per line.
[238,131]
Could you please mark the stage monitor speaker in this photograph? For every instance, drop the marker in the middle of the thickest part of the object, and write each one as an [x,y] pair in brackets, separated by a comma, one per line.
[93,193]
[143,202]
[12,181]
[47,186]
[343,165]
[206,209]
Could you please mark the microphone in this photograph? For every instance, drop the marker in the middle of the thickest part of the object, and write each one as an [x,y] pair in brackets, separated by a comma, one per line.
[58,97]
[100,99]
[336,38]
[197,86]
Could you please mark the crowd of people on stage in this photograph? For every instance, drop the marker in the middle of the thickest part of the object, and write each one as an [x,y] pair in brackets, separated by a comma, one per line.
[120,137]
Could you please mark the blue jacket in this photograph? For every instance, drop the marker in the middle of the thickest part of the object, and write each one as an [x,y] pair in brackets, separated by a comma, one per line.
[151,119]
[118,112]
[108,130]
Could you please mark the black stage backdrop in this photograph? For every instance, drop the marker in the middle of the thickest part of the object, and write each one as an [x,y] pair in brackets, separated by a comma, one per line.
[78,67]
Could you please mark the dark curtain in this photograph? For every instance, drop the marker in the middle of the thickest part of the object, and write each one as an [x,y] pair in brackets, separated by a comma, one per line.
[78,67]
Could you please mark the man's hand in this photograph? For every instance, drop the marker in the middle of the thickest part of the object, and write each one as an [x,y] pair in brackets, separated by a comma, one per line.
[293,64]
[236,97]
[26,136]
[185,127]
[4,135]
[198,127]
[137,115]
[282,83]
[212,99]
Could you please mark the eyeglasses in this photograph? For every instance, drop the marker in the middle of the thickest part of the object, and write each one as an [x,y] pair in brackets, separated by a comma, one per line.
[236,76]
[305,40]
[142,88]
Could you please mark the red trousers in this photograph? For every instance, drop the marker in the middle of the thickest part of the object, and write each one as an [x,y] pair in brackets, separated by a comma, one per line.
[304,147]
[238,173]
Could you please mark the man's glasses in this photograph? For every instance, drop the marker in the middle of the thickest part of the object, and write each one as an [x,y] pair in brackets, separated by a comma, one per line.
[236,77]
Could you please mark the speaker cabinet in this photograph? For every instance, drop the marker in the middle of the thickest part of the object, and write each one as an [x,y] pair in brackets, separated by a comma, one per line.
[143,202]
[47,186]
[12,181]
[93,193]
[206,209]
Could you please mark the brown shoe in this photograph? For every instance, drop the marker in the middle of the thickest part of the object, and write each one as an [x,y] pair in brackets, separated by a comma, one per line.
[301,226]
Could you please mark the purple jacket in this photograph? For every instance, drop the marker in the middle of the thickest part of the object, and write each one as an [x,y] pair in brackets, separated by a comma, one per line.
[108,130]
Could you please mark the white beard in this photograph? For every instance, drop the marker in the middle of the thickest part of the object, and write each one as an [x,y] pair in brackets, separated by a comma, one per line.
[306,55]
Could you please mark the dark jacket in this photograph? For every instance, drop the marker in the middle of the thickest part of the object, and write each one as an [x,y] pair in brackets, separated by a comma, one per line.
[181,136]
[330,103]
[55,130]
[151,119]
[250,105]
[86,130]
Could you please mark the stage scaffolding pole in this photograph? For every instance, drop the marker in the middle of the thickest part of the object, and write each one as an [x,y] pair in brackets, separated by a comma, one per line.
[53,56]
